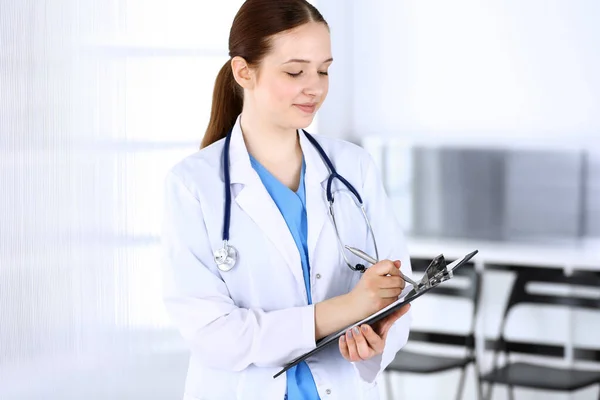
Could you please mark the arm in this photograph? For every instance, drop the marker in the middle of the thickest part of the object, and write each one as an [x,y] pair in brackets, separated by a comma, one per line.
[334,314]
[197,299]
[392,245]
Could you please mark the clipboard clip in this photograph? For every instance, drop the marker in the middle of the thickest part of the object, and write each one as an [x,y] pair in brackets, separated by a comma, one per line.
[437,272]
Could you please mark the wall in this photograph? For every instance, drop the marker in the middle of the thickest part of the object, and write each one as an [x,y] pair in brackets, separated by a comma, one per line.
[466,74]
[501,71]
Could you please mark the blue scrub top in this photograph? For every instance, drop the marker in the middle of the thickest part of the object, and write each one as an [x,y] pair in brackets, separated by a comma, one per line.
[292,205]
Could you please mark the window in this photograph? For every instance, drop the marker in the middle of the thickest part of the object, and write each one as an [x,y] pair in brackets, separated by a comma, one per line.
[98,101]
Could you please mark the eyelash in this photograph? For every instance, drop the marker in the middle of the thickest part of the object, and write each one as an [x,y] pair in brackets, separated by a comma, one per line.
[299,73]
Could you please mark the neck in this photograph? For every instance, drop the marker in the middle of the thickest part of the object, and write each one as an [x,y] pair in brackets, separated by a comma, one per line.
[271,145]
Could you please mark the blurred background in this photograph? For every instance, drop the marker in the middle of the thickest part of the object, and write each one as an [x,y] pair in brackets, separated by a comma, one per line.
[482,115]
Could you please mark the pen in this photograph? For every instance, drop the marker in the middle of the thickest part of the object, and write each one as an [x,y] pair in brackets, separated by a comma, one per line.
[361,254]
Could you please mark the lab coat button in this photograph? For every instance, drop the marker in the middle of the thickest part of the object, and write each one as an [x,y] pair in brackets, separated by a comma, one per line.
[328,391]
[319,277]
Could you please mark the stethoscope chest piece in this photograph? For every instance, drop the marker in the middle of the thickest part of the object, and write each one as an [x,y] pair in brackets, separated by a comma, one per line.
[225,257]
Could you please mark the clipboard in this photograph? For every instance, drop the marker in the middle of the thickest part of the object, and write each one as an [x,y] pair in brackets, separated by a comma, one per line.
[436,273]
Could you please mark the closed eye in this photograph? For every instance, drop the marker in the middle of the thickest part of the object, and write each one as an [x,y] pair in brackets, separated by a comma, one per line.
[324,73]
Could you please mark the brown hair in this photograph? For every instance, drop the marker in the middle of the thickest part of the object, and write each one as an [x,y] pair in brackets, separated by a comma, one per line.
[253,26]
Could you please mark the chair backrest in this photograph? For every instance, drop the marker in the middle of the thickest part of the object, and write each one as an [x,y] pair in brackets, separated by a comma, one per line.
[521,294]
[470,292]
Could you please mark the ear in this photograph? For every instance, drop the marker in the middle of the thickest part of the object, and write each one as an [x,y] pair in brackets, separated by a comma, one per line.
[242,73]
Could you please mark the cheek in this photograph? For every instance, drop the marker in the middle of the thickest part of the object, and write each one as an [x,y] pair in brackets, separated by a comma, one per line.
[283,92]
[325,90]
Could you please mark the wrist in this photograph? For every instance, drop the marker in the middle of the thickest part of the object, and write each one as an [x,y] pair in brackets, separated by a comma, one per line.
[351,307]
[334,314]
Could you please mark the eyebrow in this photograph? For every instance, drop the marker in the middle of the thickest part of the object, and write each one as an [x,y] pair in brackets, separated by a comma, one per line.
[300,60]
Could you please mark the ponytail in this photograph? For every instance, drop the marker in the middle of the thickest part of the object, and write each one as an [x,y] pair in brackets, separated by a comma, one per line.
[226,106]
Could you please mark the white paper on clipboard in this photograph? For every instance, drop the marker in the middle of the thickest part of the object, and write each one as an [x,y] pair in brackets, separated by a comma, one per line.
[436,273]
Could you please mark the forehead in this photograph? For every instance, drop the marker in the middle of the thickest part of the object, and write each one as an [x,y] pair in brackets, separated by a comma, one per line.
[309,41]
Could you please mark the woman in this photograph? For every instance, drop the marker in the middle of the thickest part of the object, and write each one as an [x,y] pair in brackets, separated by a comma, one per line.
[290,285]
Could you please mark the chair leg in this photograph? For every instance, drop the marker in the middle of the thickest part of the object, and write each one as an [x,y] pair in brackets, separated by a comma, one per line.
[511,392]
[478,382]
[461,383]
[490,391]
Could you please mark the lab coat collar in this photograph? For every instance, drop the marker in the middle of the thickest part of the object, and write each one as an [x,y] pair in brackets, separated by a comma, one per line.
[315,180]
[255,201]
[242,171]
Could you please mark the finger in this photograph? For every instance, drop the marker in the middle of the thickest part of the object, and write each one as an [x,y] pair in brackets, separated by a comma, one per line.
[400,280]
[344,348]
[390,293]
[391,319]
[362,346]
[385,267]
[386,302]
[352,352]
[384,328]
[384,325]
[398,265]
[375,341]
[396,315]
[390,282]
[403,310]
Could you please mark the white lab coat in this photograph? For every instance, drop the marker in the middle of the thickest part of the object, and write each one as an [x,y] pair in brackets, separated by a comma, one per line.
[242,326]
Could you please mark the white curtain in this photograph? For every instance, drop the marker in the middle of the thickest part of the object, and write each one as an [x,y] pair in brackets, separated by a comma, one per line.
[97,100]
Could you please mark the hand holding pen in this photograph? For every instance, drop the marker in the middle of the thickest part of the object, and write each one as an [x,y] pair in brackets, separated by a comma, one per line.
[364,256]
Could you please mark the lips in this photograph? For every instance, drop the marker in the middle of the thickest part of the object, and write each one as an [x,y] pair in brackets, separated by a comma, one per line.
[307,108]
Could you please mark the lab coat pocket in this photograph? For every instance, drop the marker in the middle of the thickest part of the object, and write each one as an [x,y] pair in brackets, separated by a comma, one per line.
[190,397]
[370,391]
[258,384]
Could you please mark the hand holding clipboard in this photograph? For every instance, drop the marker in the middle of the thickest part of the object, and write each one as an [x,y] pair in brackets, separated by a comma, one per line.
[436,273]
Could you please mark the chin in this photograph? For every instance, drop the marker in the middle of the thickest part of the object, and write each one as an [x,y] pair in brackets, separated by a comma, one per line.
[296,123]
[303,122]
[295,120]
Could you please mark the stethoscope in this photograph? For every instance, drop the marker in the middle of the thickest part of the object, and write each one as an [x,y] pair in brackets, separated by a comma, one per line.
[226,256]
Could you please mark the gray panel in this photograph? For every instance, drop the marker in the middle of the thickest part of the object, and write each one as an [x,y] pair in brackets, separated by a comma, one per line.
[505,195]
[592,202]
[472,187]
[427,191]
[543,195]
[458,193]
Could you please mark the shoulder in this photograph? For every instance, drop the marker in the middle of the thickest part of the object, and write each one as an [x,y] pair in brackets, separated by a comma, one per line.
[347,156]
[340,147]
[198,168]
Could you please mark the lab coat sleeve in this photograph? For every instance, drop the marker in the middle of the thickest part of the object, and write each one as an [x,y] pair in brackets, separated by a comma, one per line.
[391,245]
[223,335]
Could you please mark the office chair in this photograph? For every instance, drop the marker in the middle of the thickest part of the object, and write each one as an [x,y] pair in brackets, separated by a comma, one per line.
[530,375]
[420,363]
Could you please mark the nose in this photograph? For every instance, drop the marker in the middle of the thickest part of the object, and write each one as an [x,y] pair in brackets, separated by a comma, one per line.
[316,85]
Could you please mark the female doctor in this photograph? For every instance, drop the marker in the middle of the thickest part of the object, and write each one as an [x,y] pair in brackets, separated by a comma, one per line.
[256,269]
